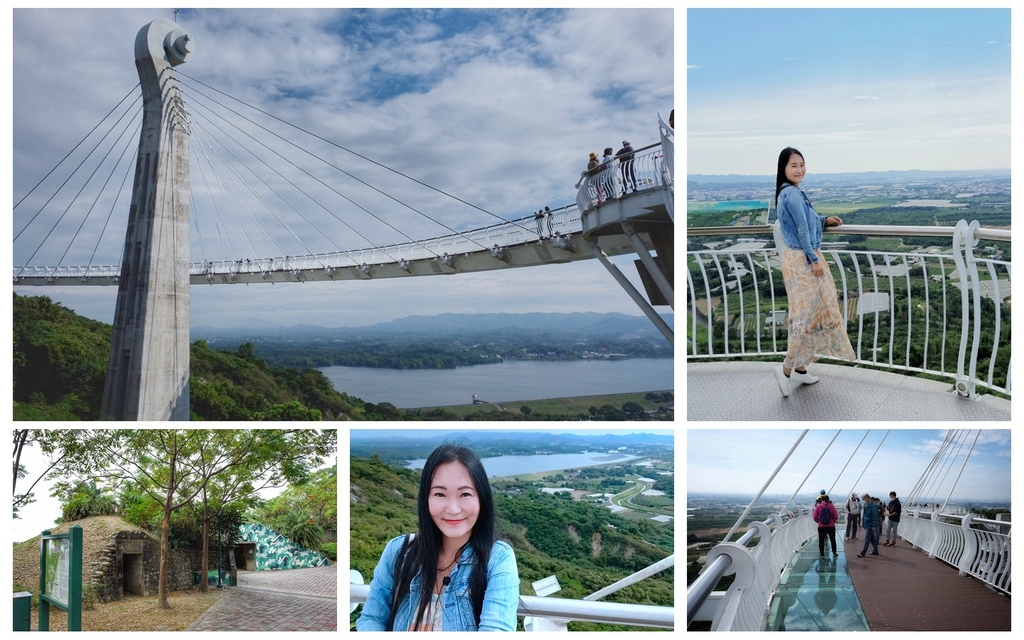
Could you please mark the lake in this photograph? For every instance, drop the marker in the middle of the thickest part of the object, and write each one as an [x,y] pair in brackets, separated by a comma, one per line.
[502,382]
[511,466]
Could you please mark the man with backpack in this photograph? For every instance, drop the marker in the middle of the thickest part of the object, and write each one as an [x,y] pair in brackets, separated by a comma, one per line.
[825,515]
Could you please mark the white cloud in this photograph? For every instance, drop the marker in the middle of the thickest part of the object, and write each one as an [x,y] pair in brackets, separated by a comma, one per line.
[502,116]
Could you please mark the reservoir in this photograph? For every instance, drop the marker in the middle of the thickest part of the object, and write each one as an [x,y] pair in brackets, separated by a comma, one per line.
[502,382]
[510,466]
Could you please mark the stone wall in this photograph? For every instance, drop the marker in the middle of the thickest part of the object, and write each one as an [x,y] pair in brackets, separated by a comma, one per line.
[137,554]
[274,551]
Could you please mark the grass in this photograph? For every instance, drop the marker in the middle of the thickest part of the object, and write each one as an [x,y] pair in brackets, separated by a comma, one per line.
[137,613]
[559,406]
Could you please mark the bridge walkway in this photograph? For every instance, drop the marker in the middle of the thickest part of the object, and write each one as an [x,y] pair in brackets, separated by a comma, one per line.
[902,589]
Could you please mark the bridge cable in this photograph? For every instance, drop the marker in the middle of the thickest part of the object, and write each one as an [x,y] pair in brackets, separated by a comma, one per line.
[80,164]
[113,205]
[765,487]
[84,185]
[358,155]
[264,182]
[99,192]
[241,226]
[235,189]
[78,145]
[332,189]
[375,246]
[265,204]
[128,168]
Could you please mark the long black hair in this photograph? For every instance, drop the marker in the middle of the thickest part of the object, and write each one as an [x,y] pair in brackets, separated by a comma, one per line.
[780,175]
[419,555]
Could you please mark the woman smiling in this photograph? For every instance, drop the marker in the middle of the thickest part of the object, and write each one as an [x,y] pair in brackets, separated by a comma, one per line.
[452,575]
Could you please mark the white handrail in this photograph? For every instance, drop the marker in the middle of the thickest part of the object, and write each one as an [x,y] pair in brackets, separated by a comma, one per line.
[904,310]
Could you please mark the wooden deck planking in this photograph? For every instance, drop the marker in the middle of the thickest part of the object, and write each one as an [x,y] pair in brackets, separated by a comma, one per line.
[902,589]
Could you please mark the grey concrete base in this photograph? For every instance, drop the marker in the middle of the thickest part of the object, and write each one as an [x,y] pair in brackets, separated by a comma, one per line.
[747,391]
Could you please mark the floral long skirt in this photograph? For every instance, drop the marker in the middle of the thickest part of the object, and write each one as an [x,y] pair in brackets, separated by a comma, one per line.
[816,327]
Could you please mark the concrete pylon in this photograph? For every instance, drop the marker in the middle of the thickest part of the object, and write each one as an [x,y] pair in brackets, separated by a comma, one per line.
[148,368]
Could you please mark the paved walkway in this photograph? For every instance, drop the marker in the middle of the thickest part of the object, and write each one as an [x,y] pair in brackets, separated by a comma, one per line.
[902,589]
[747,391]
[290,600]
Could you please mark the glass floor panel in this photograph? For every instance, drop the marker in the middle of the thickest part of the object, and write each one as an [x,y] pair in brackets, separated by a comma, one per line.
[816,594]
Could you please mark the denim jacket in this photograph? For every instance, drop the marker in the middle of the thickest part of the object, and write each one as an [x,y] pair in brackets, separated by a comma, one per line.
[801,225]
[500,599]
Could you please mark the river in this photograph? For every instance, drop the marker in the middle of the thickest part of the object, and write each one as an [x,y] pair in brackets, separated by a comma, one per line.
[502,382]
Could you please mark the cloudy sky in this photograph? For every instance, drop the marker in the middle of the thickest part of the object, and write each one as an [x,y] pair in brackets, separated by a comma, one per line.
[741,461]
[498,108]
[854,89]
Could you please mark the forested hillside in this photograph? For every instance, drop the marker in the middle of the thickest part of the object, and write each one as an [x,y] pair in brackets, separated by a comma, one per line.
[585,545]
[60,362]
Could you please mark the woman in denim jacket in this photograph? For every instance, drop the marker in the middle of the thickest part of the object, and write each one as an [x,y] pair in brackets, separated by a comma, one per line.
[452,575]
[816,327]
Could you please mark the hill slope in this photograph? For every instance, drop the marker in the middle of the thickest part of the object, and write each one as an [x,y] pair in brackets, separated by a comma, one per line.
[60,363]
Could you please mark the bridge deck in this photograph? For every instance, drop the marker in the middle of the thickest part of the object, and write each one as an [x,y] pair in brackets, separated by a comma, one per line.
[842,393]
[902,589]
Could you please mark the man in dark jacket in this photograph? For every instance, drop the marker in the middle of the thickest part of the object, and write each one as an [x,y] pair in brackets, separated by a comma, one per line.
[869,520]
[895,510]
[625,158]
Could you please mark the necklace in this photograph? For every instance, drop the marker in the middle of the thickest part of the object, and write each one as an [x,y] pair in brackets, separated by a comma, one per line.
[458,554]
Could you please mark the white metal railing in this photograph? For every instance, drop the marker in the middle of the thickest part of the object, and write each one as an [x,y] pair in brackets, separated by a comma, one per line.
[909,311]
[563,221]
[584,610]
[744,606]
[643,172]
[976,547]
[983,553]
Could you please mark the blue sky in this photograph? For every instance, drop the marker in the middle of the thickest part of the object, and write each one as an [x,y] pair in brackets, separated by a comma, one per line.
[854,89]
[742,460]
[498,107]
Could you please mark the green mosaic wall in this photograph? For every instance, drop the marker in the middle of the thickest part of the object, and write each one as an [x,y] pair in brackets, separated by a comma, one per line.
[274,551]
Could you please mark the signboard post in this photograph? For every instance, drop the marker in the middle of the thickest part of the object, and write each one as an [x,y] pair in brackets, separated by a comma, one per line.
[60,577]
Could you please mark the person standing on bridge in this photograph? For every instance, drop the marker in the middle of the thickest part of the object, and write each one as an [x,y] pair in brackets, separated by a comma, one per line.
[895,509]
[852,516]
[608,176]
[453,574]
[825,515]
[871,523]
[539,218]
[625,158]
[816,327]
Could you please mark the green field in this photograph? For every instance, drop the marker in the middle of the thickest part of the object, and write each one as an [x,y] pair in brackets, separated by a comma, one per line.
[559,406]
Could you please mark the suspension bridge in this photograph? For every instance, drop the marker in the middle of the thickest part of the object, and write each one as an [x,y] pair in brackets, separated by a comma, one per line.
[947,569]
[261,200]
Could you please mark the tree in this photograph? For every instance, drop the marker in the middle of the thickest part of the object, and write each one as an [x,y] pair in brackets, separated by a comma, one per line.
[62,444]
[233,465]
[177,466]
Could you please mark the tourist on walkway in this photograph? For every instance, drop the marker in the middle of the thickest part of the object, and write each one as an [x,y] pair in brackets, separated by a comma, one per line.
[852,516]
[625,158]
[825,515]
[609,178]
[816,327]
[539,218]
[871,523]
[452,575]
[895,510]
[547,217]
[593,169]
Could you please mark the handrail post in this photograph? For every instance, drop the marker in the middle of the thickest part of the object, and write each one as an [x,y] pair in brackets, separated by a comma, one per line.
[970,545]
